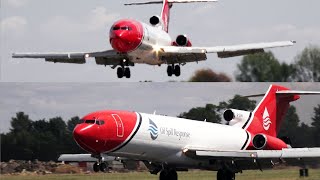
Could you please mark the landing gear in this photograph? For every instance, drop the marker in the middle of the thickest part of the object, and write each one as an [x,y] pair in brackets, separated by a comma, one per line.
[223,174]
[304,172]
[170,71]
[123,72]
[103,167]
[96,167]
[176,70]
[168,175]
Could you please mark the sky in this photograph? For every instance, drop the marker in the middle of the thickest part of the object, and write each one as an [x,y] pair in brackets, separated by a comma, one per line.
[46,25]
[48,100]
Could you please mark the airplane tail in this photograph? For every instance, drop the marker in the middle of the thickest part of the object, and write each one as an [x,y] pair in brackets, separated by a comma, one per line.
[167,5]
[269,114]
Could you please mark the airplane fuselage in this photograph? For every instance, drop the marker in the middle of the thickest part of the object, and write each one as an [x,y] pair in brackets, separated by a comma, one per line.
[139,40]
[156,138]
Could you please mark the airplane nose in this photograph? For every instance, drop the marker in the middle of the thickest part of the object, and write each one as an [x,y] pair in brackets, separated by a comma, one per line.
[85,137]
[126,35]
[121,42]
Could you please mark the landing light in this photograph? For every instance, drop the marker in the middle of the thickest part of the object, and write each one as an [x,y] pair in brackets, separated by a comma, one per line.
[185,150]
[156,48]
[87,55]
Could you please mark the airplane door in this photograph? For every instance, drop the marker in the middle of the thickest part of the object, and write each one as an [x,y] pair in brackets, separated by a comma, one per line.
[119,125]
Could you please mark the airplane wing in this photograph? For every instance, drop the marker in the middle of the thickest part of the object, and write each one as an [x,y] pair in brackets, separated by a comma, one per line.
[222,51]
[109,57]
[85,158]
[250,159]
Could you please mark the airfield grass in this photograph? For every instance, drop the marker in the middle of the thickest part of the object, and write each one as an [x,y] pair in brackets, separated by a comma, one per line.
[286,174]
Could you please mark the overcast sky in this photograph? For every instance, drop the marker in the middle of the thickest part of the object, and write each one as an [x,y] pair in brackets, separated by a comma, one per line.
[47,100]
[46,25]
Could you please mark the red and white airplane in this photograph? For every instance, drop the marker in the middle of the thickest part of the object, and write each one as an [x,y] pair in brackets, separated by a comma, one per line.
[134,42]
[169,144]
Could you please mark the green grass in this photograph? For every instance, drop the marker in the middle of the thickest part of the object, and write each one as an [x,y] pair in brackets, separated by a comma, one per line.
[287,174]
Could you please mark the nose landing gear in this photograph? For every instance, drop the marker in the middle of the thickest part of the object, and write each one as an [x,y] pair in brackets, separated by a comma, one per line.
[174,69]
[103,167]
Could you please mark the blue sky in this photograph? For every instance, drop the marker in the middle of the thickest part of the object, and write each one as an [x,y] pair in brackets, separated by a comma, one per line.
[46,25]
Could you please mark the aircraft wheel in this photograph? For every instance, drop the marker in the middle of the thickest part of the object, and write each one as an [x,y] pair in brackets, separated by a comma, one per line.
[170,71]
[127,73]
[96,167]
[103,167]
[168,175]
[220,175]
[120,72]
[225,175]
[177,70]
[172,175]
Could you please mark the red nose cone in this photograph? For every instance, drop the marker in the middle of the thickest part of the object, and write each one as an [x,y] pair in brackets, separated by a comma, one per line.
[126,35]
[106,131]
[86,137]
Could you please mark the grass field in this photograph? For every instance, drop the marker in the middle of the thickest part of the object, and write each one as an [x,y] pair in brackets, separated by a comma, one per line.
[291,174]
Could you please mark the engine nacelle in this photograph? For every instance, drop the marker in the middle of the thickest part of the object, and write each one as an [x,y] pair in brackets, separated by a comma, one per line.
[263,141]
[155,21]
[234,116]
[182,40]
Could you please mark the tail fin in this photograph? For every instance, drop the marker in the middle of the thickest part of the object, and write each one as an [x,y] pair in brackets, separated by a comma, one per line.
[167,5]
[269,114]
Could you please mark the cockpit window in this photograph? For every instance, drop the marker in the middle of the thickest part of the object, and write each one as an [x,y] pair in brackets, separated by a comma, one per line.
[99,122]
[89,121]
[116,28]
[126,28]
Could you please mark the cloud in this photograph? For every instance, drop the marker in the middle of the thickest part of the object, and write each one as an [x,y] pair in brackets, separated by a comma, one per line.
[17,3]
[97,19]
[13,24]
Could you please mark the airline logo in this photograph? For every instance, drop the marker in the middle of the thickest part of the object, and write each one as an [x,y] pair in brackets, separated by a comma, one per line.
[266,120]
[153,129]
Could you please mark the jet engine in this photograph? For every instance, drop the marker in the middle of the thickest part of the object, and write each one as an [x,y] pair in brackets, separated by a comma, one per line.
[234,116]
[182,40]
[263,141]
[155,21]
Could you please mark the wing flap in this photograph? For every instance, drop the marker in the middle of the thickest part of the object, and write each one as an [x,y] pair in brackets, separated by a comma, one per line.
[173,58]
[85,158]
[109,57]
[292,153]
[77,158]
[227,51]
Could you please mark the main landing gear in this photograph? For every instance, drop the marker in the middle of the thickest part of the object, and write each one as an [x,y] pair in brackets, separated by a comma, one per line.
[174,69]
[168,175]
[123,72]
[103,167]
[224,174]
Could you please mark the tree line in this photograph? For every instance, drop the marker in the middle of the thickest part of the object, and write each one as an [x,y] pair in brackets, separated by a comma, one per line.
[46,139]
[265,67]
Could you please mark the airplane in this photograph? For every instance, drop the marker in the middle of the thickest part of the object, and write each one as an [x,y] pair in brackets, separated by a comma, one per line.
[169,144]
[134,42]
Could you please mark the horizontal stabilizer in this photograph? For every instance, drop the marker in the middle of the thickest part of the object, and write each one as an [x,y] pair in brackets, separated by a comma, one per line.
[170,1]
[288,92]
[292,92]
